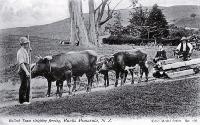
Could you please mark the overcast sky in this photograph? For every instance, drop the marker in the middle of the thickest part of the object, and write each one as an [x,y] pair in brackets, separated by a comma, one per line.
[18,13]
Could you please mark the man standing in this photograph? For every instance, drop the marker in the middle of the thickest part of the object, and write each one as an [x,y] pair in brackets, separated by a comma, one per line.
[185,48]
[23,61]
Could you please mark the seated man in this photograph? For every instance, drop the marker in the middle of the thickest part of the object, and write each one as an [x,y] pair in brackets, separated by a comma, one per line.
[160,55]
[185,48]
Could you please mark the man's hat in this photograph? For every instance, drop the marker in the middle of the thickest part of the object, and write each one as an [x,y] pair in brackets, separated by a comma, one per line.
[23,40]
[183,38]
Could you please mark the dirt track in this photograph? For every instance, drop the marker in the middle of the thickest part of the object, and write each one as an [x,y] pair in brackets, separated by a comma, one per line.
[174,98]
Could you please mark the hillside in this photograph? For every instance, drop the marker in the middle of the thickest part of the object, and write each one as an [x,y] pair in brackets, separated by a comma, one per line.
[170,99]
[176,13]
[56,30]
[179,15]
[189,22]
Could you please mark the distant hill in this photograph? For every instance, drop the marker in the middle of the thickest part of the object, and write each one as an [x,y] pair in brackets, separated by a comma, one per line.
[178,15]
[56,30]
[188,22]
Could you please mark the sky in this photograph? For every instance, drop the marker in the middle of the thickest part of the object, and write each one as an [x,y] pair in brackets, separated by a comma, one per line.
[20,13]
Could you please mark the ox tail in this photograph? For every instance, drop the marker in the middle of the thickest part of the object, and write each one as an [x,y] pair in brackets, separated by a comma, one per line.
[144,64]
[145,60]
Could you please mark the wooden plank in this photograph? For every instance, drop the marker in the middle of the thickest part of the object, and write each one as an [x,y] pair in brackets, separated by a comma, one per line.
[170,61]
[192,62]
[181,64]
[173,65]
[180,73]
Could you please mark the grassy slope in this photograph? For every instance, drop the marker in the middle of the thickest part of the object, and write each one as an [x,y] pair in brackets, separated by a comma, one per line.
[44,47]
[173,99]
[189,22]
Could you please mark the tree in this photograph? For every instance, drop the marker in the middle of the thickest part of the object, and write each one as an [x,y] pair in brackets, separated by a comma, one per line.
[98,14]
[116,28]
[178,32]
[138,18]
[92,28]
[79,34]
[157,23]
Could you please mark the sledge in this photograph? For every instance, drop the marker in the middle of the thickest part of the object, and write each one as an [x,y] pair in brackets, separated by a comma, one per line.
[172,68]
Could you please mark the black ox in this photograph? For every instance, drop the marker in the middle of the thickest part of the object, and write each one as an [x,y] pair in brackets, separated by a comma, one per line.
[120,60]
[64,66]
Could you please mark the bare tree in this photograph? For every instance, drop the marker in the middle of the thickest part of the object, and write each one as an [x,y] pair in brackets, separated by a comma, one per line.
[92,28]
[79,33]
[103,8]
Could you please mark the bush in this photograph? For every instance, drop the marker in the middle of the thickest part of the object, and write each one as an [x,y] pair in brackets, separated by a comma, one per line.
[127,39]
[170,42]
[124,39]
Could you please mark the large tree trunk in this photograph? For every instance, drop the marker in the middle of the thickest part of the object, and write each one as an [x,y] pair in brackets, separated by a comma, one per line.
[79,34]
[92,29]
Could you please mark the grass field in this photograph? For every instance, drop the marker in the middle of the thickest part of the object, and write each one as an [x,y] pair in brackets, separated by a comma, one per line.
[150,99]
[155,99]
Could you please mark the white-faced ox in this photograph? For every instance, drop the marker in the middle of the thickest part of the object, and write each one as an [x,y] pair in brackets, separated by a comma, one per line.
[63,66]
[121,60]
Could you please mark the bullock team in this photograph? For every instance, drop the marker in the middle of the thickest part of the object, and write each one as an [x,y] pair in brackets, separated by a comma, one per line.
[69,65]
[65,66]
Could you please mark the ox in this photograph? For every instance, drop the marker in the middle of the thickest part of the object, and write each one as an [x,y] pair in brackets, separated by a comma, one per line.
[104,72]
[121,60]
[50,79]
[63,66]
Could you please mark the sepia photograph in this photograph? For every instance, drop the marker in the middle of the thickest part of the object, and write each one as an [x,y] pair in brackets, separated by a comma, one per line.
[99,62]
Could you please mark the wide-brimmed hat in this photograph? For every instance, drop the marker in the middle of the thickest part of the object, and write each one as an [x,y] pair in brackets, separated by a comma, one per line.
[23,40]
[184,38]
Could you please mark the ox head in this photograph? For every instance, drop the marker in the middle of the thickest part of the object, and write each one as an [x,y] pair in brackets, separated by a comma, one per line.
[41,66]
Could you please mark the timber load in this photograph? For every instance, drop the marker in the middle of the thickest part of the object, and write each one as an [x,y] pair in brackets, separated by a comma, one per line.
[173,68]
